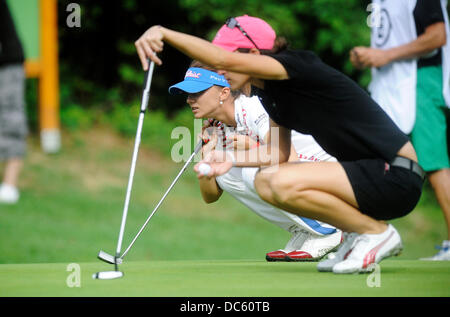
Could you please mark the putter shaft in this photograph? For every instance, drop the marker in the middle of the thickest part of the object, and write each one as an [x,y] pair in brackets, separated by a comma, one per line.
[144,103]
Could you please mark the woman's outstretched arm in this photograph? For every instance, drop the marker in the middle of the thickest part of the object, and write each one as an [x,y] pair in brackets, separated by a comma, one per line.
[255,65]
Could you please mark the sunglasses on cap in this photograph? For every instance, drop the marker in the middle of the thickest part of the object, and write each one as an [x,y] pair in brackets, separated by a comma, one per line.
[232,23]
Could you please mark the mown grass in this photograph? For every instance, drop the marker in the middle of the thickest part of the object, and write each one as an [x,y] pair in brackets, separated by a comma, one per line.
[224,278]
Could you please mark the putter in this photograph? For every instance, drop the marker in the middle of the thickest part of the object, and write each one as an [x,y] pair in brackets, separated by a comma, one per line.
[119,259]
[103,255]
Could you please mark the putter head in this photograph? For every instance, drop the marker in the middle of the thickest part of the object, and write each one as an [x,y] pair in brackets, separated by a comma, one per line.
[108,258]
[107,275]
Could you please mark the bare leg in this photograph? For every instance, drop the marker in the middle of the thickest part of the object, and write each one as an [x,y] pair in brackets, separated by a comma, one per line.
[13,168]
[440,180]
[319,191]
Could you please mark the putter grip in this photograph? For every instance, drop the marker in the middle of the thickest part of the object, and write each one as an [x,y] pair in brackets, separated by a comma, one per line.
[147,73]
[146,88]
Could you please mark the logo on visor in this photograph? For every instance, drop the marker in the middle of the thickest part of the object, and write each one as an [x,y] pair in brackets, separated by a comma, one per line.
[192,74]
[223,80]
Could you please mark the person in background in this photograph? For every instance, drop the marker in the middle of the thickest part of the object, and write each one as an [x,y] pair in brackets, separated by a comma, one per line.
[13,127]
[410,60]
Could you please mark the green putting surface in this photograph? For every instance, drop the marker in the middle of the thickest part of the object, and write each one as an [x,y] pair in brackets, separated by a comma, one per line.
[223,279]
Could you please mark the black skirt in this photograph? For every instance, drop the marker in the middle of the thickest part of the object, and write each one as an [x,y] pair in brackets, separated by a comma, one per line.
[382,191]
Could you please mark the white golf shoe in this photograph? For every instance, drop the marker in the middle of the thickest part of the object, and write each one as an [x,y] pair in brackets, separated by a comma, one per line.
[334,258]
[368,249]
[8,194]
[442,255]
[316,247]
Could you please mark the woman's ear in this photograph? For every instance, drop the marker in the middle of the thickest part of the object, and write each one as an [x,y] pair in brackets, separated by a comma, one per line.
[225,93]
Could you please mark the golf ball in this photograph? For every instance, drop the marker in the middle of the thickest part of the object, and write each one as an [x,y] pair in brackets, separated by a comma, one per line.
[204,169]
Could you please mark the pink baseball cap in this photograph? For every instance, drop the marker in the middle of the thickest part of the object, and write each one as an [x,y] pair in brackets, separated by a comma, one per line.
[258,30]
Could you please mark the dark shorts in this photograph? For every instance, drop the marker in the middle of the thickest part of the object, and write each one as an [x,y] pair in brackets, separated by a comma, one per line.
[382,191]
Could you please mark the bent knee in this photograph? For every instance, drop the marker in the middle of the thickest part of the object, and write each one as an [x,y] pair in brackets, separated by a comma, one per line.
[262,186]
[271,186]
[286,189]
[281,188]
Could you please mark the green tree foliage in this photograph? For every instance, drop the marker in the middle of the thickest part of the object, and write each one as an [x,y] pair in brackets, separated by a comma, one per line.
[328,27]
[100,68]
